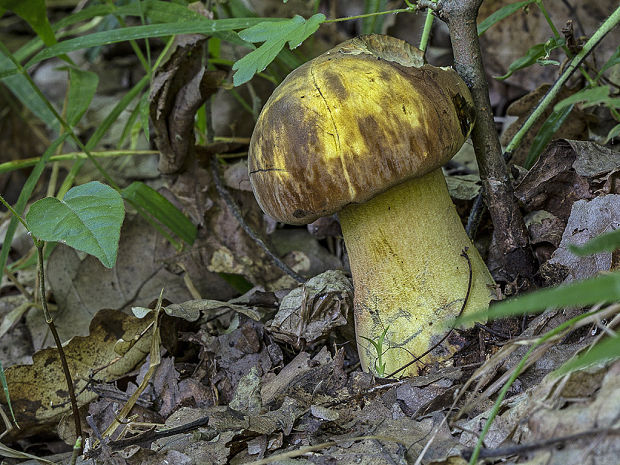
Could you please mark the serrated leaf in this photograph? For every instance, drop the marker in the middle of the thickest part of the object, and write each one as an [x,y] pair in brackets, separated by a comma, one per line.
[551,125]
[607,242]
[607,349]
[592,95]
[535,53]
[82,88]
[161,209]
[500,14]
[88,218]
[274,35]
[35,14]
[604,288]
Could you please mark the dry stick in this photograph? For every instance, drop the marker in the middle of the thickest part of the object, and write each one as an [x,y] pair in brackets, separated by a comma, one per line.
[234,209]
[61,353]
[520,449]
[514,256]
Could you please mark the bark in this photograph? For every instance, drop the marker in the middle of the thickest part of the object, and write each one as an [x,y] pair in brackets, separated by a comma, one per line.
[510,257]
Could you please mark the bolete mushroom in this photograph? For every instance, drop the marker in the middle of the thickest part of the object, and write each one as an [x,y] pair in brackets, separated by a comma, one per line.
[363,130]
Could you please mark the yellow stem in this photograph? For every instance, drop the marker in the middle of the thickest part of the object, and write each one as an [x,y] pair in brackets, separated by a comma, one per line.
[409,276]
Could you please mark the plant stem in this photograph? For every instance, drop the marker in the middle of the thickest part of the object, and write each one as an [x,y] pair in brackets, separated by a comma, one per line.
[368,15]
[517,371]
[607,26]
[14,213]
[27,162]
[426,32]
[512,256]
[61,353]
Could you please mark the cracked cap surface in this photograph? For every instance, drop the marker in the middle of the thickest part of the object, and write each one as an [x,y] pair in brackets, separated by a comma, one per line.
[353,122]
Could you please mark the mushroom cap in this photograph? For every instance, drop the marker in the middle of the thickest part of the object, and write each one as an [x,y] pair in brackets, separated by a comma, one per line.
[353,122]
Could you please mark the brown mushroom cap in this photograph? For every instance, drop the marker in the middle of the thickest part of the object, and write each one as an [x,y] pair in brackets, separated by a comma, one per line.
[351,123]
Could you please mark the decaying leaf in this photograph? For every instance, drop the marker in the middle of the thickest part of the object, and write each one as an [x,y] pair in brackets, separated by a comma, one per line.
[312,310]
[82,286]
[37,391]
[179,88]
[588,219]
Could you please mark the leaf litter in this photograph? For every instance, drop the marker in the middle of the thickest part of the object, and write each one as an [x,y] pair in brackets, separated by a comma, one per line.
[270,374]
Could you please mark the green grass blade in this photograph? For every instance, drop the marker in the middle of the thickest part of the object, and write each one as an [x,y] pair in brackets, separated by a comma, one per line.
[161,209]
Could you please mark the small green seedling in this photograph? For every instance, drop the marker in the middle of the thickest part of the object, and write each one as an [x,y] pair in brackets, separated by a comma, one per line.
[378,346]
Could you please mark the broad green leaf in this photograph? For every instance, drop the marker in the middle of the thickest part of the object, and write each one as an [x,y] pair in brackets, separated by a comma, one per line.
[603,288]
[34,13]
[533,55]
[607,349]
[274,35]
[162,210]
[202,26]
[82,88]
[592,95]
[24,195]
[88,218]
[607,242]
[500,14]
[551,125]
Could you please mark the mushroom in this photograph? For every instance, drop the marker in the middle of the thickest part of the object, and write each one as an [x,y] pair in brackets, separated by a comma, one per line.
[363,130]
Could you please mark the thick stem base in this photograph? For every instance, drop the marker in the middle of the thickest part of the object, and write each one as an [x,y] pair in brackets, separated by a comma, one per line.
[409,276]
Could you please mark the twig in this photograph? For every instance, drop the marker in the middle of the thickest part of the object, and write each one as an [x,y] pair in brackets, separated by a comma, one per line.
[513,254]
[151,435]
[234,209]
[465,300]
[520,449]
[61,353]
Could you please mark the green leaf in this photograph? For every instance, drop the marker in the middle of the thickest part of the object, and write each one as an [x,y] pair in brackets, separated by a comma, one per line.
[24,195]
[613,60]
[603,288]
[551,125]
[500,14]
[275,36]
[607,242]
[202,26]
[82,88]
[533,55]
[34,13]
[89,219]
[607,349]
[23,90]
[161,209]
[613,132]
[592,95]
[373,24]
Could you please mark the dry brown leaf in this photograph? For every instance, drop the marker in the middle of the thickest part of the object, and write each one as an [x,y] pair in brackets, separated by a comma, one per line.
[115,345]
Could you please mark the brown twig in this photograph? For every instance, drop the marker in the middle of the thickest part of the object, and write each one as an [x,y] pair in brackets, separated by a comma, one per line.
[150,435]
[512,252]
[61,353]
[523,448]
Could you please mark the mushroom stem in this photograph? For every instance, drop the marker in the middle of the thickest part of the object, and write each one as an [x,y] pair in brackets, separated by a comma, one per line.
[409,276]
